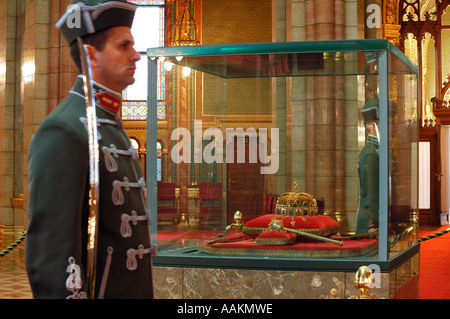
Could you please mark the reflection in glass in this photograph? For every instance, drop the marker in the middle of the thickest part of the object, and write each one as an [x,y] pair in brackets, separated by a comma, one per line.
[240,112]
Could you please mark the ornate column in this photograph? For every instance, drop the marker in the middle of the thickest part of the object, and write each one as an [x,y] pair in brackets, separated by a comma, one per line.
[8,14]
[340,106]
[279,102]
[319,104]
[35,85]
[324,106]
[310,105]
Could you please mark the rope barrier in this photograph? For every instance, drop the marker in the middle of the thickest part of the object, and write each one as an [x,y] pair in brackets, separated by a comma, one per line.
[434,235]
[13,245]
[399,237]
[21,238]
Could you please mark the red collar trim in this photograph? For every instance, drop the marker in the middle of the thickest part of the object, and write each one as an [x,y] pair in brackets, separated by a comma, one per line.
[109,101]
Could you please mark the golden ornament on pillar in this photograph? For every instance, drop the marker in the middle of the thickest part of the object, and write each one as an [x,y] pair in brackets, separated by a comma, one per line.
[364,281]
[237,225]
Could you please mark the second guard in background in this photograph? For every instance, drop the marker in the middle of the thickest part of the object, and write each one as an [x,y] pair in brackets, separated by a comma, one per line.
[368,171]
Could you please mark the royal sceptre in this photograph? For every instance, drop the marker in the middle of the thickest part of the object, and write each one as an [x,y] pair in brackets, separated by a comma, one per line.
[94,177]
[277,225]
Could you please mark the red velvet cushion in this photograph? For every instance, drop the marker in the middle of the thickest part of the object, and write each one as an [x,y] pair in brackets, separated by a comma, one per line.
[276,238]
[319,225]
[242,245]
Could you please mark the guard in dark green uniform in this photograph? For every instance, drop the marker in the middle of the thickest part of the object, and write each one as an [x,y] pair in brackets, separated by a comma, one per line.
[59,170]
[368,172]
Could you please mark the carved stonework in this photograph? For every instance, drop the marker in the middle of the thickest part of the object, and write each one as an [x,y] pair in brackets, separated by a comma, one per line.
[391,32]
[391,28]
[391,12]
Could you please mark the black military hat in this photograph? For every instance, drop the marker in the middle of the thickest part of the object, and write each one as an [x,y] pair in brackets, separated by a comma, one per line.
[84,17]
[371,109]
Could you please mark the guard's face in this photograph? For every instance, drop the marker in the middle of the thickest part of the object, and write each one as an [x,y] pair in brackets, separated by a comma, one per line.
[115,65]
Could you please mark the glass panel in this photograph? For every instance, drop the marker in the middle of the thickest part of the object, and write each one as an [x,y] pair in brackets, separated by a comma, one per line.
[251,123]
[403,159]
[191,190]
[278,60]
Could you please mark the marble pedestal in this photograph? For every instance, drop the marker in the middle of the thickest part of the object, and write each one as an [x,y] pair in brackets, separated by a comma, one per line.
[215,283]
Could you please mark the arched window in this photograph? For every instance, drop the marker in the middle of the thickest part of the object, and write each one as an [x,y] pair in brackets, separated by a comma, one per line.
[425,39]
[148,31]
[135,143]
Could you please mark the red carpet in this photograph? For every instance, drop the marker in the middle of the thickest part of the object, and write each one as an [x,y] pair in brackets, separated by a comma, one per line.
[434,266]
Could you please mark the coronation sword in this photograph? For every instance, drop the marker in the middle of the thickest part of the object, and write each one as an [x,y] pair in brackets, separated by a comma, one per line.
[91,122]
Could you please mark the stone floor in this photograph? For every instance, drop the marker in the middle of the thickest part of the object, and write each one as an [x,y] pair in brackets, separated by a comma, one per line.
[13,278]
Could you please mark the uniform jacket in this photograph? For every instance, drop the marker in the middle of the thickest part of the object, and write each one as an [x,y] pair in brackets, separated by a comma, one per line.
[58,166]
[368,171]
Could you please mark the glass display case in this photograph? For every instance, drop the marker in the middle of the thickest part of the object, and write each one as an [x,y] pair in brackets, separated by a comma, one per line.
[293,155]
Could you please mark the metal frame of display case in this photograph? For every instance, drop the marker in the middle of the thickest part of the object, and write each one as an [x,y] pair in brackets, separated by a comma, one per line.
[190,257]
